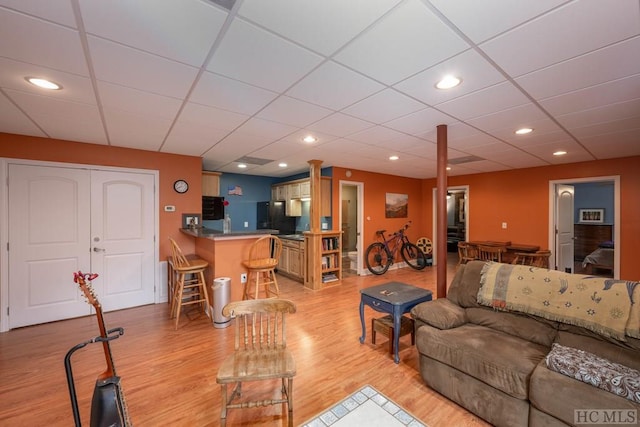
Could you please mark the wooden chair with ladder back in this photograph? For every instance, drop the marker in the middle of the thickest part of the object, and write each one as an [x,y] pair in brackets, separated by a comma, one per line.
[261,265]
[260,353]
[490,253]
[187,284]
[466,252]
[534,259]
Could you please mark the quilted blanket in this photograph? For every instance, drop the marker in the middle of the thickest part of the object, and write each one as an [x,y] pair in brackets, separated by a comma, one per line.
[603,305]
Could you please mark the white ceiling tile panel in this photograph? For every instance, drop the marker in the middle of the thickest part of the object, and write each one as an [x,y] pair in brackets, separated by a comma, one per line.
[333,23]
[622,143]
[584,71]
[12,120]
[375,135]
[490,100]
[293,112]
[512,119]
[137,102]
[420,122]
[143,71]
[347,87]
[188,28]
[476,73]
[62,119]
[257,57]
[202,115]
[228,94]
[141,131]
[339,124]
[481,20]
[384,106]
[56,11]
[266,129]
[55,46]
[613,126]
[405,42]
[608,113]
[190,140]
[569,31]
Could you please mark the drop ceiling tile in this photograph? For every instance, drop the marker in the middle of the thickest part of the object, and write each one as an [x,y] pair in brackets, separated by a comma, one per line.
[490,100]
[190,140]
[235,146]
[252,55]
[138,102]
[454,131]
[339,124]
[334,22]
[409,39]
[538,137]
[293,112]
[513,119]
[375,135]
[298,136]
[622,143]
[188,28]
[139,131]
[420,122]
[143,71]
[58,12]
[275,150]
[488,148]
[12,120]
[74,87]
[617,91]
[53,46]
[266,130]
[594,24]
[584,71]
[483,20]
[516,160]
[475,71]
[384,106]
[575,152]
[400,143]
[222,92]
[607,113]
[603,128]
[62,119]
[345,87]
[210,117]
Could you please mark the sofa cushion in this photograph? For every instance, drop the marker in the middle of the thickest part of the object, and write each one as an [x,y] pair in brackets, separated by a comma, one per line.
[500,360]
[464,287]
[547,386]
[441,314]
[537,330]
[596,371]
[615,351]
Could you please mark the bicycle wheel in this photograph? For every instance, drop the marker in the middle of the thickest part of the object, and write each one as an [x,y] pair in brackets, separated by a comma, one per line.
[377,258]
[413,256]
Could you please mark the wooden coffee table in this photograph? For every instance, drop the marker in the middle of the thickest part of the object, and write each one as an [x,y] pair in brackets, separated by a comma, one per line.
[394,298]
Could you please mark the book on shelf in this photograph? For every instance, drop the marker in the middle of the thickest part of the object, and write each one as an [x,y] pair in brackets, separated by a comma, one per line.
[329,277]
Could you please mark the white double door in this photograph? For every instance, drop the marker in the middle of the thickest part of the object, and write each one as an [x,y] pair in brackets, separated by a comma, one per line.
[62,220]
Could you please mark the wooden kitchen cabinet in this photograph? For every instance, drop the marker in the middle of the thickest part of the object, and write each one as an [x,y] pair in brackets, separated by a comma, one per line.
[210,183]
[291,259]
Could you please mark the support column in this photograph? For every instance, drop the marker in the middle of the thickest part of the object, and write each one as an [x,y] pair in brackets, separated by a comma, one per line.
[315,210]
[441,214]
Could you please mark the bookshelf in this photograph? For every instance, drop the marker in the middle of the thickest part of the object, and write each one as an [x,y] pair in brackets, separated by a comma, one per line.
[323,258]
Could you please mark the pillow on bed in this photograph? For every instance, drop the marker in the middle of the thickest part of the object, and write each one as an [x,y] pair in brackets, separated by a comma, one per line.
[607,245]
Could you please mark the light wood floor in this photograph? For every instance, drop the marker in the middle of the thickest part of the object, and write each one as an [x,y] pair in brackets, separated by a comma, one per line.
[169,376]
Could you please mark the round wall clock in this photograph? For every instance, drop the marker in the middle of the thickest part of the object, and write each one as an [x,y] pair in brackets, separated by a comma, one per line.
[181,186]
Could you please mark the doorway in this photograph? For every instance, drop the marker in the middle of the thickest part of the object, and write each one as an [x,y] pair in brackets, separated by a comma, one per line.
[457,218]
[62,219]
[351,223]
[580,243]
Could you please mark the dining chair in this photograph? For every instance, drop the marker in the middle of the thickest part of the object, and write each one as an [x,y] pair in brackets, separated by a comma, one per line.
[264,254]
[187,284]
[534,259]
[466,252]
[260,353]
[490,253]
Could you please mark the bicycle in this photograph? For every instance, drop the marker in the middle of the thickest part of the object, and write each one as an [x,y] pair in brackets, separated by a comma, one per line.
[380,255]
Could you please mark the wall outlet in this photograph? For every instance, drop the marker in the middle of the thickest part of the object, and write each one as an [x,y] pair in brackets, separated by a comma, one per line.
[504,225]
[246,224]
[243,278]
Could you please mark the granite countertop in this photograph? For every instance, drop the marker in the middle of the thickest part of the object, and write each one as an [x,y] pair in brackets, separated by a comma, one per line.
[210,233]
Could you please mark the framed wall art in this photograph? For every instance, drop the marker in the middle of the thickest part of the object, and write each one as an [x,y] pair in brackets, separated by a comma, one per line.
[396,205]
[593,216]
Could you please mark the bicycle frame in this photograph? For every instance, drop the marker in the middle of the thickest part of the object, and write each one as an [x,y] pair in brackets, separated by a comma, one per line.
[394,242]
[382,253]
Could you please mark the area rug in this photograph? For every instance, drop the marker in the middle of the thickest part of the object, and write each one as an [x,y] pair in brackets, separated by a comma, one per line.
[366,407]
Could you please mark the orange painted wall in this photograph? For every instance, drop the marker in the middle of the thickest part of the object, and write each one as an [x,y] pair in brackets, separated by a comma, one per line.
[375,188]
[521,199]
[170,166]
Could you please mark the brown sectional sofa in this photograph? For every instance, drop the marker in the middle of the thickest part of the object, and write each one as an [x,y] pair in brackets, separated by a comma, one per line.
[493,362]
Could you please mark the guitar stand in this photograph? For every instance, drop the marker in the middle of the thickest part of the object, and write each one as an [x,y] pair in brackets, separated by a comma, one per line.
[112,334]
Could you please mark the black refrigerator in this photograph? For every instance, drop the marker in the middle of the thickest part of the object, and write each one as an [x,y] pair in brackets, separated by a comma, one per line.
[270,215]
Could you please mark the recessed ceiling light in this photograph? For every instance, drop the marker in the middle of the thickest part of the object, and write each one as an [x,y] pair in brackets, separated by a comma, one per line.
[394,158]
[282,165]
[524,131]
[309,139]
[448,168]
[560,153]
[43,83]
[242,166]
[448,82]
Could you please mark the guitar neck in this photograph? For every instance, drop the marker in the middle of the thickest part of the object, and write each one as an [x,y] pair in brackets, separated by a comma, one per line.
[111,370]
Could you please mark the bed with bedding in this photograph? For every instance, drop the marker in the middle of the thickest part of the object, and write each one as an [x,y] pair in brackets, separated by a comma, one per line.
[601,258]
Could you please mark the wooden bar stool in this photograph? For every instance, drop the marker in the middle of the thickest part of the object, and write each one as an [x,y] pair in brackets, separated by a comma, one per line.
[264,254]
[188,283]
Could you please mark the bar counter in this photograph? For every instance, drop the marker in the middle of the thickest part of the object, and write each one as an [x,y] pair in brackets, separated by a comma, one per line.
[225,253]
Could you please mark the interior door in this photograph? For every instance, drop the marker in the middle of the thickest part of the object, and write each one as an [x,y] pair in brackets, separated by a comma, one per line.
[48,240]
[564,227]
[122,238]
[63,220]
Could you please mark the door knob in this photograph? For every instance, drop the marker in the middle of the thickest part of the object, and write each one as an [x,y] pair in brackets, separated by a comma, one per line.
[98,249]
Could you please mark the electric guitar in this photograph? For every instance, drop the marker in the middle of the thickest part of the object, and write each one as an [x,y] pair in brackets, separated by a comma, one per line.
[108,406]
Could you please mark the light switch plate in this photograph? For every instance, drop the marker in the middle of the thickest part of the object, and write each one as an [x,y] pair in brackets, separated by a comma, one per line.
[169,208]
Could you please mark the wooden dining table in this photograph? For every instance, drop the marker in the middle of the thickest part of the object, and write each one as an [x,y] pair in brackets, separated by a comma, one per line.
[511,248]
